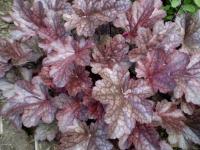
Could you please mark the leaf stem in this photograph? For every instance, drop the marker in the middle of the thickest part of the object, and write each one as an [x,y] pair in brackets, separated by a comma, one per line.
[36,144]
[1,125]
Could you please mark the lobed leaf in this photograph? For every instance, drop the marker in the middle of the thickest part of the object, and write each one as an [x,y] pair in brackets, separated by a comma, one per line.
[93,137]
[143,13]
[30,101]
[124,104]
[166,36]
[63,59]
[87,15]
[146,138]
[109,52]
[161,69]
[45,131]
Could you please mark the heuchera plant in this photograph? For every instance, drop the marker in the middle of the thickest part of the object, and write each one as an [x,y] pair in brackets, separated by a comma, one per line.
[93,90]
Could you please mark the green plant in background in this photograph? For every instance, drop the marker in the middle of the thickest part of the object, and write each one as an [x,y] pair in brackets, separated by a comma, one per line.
[5,7]
[197,2]
[174,7]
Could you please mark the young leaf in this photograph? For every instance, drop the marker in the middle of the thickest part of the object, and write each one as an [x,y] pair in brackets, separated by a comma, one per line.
[87,15]
[189,8]
[197,2]
[79,81]
[175,3]
[46,131]
[109,52]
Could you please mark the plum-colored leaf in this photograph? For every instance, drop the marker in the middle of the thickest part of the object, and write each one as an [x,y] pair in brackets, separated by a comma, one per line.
[46,131]
[4,67]
[95,110]
[87,15]
[160,69]
[79,81]
[94,107]
[61,60]
[143,13]
[13,53]
[60,100]
[193,121]
[190,31]
[124,103]
[7,88]
[44,75]
[42,110]
[192,38]
[187,108]
[172,119]
[109,52]
[189,82]
[31,101]
[169,116]
[166,36]
[93,138]
[145,137]
[8,91]
[182,139]
[68,117]
[25,18]
[41,18]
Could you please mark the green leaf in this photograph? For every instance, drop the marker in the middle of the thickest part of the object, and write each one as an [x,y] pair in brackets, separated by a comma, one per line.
[167,7]
[189,8]
[169,17]
[187,1]
[14,139]
[181,11]
[197,2]
[170,11]
[175,3]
